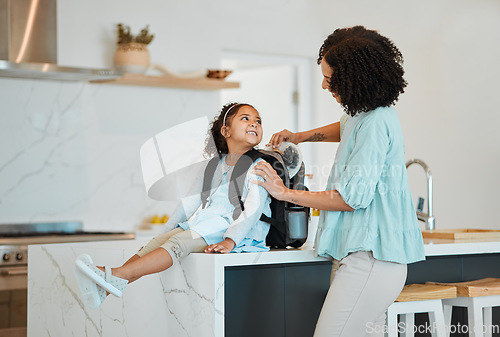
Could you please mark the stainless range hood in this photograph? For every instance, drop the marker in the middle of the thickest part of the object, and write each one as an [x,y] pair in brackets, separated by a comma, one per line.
[50,71]
[28,44]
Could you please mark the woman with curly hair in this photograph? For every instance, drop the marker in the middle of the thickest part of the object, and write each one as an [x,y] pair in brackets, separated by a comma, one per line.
[368,224]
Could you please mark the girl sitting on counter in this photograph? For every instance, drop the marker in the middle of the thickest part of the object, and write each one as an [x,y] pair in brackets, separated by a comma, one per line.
[211,229]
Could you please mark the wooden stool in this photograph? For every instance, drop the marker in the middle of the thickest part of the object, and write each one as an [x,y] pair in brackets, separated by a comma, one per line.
[479,297]
[419,298]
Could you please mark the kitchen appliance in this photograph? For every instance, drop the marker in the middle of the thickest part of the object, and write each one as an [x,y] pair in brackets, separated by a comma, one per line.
[28,44]
[14,241]
[15,238]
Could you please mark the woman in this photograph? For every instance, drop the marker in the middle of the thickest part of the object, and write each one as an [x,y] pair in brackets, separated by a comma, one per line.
[368,225]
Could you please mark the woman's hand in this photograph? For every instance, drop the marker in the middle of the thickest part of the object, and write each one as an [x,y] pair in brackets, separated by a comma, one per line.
[282,136]
[223,247]
[272,182]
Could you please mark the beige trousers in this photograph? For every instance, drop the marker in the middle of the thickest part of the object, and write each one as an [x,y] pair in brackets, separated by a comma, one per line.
[361,290]
[177,242]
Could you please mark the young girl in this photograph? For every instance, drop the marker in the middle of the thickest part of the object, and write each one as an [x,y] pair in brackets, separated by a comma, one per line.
[211,229]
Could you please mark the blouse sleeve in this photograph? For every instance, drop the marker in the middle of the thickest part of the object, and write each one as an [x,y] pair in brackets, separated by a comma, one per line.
[254,203]
[361,171]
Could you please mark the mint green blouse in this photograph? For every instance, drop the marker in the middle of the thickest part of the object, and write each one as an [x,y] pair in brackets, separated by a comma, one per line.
[370,174]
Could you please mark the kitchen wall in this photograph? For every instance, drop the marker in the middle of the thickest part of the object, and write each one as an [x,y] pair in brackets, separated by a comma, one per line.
[449,111]
[70,150]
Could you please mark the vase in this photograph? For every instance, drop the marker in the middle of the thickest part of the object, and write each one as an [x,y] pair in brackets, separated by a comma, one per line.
[132,57]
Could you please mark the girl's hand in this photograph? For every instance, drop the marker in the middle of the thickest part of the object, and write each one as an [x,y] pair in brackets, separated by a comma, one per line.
[272,182]
[282,136]
[223,247]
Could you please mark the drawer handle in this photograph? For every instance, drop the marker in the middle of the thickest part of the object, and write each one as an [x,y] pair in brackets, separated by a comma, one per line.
[13,272]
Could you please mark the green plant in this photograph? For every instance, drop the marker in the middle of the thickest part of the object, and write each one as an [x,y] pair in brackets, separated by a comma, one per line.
[125,37]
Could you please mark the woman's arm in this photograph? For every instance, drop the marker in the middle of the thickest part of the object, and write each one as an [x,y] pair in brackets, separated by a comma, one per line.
[326,200]
[328,133]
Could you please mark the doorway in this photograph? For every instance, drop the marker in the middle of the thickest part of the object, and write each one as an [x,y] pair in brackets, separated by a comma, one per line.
[277,86]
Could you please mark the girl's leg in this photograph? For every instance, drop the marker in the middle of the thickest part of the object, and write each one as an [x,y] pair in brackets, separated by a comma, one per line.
[154,262]
[162,258]
[156,242]
[151,246]
[360,293]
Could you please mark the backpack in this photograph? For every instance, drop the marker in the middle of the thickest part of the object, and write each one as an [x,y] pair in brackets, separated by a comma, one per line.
[289,222]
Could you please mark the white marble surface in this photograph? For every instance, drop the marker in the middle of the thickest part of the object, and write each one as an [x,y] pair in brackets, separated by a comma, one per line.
[186,300]
[436,247]
[70,150]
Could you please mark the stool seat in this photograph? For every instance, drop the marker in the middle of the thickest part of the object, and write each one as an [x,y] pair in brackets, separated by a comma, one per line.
[419,298]
[423,292]
[483,287]
[479,297]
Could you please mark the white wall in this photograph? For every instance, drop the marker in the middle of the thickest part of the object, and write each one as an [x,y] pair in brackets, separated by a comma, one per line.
[276,111]
[450,110]
[69,151]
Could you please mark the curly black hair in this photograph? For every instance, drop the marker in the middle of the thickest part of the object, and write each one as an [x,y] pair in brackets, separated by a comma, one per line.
[216,143]
[367,68]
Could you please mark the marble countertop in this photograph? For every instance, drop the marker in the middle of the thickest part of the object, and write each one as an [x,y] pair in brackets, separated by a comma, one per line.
[129,247]
[433,247]
[439,247]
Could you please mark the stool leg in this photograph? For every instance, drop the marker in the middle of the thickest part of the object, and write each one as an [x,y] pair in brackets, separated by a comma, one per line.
[409,325]
[475,315]
[488,321]
[392,322]
[447,311]
[436,320]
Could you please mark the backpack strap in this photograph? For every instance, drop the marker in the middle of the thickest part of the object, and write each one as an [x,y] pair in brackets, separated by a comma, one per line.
[278,208]
[273,222]
[207,179]
[237,181]
[238,177]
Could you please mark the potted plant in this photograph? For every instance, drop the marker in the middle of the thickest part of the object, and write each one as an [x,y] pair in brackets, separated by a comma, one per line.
[132,54]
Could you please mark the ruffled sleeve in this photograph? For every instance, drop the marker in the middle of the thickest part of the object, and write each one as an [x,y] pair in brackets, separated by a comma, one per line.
[359,175]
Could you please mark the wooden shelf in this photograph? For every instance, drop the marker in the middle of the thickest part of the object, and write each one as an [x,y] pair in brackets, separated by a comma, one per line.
[171,82]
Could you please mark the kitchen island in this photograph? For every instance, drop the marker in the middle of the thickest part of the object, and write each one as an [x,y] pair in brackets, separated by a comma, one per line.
[186,300]
[277,293]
